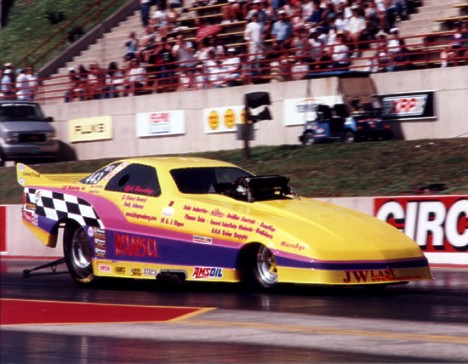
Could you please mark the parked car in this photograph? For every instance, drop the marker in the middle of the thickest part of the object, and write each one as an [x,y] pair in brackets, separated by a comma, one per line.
[197,219]
[338,124]
[357,118]
[25,132]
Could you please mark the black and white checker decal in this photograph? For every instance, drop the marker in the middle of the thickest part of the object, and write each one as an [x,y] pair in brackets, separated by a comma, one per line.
[57,205]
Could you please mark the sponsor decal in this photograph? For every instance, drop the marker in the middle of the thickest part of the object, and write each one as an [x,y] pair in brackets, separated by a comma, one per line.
[99,234]
[437,224]
[135,272]
[150,272]
[172,222]
[139,216]
[135,246]
[373,276]
[105,268]
[31,217]
[99,252]
[202,239]
[295,246]
[217,213]
[207,272]
[168,212]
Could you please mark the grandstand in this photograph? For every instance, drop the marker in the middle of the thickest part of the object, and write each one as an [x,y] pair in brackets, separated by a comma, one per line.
[427,33]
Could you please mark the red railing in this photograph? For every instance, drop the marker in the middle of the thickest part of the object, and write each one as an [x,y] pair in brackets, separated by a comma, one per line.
[272,66]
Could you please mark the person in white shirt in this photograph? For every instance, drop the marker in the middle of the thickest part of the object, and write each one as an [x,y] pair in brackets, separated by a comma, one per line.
[355,29]
[135,77]
[254,36]
[23,91]
[232,66]
[340,54]
[33,82]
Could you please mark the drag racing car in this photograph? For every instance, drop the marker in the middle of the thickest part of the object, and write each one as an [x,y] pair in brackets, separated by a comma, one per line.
[197,219]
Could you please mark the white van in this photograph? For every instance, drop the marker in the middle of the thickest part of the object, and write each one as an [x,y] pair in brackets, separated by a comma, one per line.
[25,133]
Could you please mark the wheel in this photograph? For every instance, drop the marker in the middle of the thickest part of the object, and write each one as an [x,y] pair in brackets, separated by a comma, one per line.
[259,268]
[348,136]
[308,138]
[78,254]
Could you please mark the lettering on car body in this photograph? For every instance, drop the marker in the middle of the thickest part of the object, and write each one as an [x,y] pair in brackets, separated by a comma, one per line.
[207,272]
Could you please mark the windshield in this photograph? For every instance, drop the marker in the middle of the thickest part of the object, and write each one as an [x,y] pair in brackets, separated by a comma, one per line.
[207,179]
[15,112]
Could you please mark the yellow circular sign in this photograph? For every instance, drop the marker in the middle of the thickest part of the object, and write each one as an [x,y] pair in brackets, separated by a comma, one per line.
[229,119]
[213,120]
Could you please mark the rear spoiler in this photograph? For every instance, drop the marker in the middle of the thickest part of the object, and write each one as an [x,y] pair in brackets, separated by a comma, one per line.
[26,175]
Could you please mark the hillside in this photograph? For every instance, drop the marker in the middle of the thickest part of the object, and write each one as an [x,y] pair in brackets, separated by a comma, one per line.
[362,169]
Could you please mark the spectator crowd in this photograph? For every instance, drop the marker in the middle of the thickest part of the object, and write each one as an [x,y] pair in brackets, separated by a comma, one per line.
[283,40]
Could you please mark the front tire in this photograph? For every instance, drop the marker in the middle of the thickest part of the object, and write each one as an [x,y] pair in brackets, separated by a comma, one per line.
[308,138]
[78,254]
[259,268]
[348,137]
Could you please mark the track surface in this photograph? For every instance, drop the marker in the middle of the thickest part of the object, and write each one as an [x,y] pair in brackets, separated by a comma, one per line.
[423,322]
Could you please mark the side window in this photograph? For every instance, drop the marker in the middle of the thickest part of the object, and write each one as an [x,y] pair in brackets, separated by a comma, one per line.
[136,179]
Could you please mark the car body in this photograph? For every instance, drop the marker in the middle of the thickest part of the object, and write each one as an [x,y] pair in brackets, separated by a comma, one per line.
[200,219]
[25,133]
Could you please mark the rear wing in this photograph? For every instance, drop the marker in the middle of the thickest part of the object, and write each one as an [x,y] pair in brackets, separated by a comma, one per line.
[27,176]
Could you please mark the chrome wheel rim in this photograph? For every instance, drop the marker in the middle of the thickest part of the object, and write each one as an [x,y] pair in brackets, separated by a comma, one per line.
[266,265]
[81,249]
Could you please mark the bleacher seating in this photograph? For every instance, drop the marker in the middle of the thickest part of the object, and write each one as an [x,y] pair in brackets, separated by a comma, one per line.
[425,42]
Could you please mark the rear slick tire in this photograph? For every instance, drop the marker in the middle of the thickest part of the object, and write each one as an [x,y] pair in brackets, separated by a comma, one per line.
[78,254]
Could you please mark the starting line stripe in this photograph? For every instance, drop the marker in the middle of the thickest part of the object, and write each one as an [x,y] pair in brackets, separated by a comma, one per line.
[24,312]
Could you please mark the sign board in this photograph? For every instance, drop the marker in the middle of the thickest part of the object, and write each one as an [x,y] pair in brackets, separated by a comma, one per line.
[222,119]
[438,224]
[299,111]
[157,123]
[90,129]
[409,105]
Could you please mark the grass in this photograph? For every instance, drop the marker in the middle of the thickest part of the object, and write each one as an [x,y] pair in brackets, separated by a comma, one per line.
[327,170]
[28,26]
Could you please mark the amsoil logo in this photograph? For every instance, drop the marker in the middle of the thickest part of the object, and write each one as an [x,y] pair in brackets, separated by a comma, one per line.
[207,272]
[437,224]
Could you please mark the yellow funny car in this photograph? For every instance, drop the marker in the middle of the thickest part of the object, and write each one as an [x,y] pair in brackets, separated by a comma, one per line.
[200,219]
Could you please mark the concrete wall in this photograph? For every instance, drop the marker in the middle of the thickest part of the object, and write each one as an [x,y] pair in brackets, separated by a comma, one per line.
[450,84]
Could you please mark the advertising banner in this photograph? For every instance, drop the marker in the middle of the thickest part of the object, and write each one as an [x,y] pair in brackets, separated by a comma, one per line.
[90,129]
[222,119]
[409,105]
[438,224]
[158,123]
[299,111]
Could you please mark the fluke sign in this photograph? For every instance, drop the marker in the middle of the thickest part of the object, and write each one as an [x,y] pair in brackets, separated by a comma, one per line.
[437,223]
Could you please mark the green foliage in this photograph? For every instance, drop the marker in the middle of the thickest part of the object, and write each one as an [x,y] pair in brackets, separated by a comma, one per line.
[29,24]
[327,170]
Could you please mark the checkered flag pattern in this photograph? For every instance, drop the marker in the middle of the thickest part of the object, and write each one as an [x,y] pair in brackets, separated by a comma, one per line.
[57,205]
